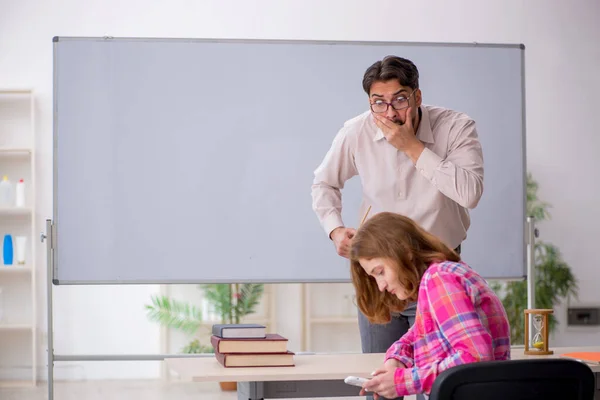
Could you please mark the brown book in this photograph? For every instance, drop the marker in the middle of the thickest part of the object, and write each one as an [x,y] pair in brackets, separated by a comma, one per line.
[256,360]
[271,343]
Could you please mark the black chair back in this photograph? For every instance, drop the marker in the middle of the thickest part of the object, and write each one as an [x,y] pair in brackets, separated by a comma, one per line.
[532,379]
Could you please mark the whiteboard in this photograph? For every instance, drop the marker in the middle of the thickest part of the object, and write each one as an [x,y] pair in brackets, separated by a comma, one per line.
[190,161]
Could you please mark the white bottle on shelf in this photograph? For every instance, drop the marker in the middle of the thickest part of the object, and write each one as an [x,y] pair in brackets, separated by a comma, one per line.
[5,192]
[20,194]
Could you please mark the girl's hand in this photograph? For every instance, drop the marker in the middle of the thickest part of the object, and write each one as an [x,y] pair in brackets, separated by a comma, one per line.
[383,382]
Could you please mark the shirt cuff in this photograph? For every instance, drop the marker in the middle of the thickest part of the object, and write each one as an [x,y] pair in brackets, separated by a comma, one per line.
[427,162]
[400,383]
[334,220]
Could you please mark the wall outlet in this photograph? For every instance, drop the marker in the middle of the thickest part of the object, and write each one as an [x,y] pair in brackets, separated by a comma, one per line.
[583,316]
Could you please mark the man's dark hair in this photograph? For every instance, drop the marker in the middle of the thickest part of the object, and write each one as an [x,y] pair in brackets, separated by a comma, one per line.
[392,67]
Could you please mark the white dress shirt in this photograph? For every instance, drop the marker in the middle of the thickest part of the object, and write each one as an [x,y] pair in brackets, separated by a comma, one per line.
[436,192]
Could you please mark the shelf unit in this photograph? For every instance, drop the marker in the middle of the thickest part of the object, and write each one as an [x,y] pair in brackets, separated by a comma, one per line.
[330,322]
[18,331]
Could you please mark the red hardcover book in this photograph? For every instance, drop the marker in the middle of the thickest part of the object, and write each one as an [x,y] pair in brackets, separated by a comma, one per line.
[271,343]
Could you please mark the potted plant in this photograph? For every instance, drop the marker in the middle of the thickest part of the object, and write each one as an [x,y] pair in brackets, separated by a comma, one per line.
[231,302]
[554,280]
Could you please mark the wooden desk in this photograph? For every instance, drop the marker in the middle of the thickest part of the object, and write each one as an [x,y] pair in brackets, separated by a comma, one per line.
[315,375]
[517,354]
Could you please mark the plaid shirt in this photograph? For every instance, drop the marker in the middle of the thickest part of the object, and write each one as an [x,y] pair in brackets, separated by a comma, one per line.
[459,320]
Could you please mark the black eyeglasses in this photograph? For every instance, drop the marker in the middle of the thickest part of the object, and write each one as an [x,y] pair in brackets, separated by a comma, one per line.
[380,106]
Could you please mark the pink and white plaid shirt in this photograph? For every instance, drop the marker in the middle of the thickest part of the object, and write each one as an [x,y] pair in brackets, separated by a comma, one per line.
[459,320]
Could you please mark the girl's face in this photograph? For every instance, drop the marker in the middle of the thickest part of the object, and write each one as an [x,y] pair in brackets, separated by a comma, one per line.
[384,272]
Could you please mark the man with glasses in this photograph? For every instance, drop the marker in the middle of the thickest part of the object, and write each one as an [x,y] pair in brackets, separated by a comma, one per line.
[422,161]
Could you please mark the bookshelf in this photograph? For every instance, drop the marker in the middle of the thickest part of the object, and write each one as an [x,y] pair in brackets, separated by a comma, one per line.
[330,322]
[18,331]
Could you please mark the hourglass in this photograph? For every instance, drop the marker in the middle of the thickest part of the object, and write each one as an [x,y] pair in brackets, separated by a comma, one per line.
[538,344]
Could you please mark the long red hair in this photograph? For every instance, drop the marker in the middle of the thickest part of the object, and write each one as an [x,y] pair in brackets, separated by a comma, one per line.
[408,245]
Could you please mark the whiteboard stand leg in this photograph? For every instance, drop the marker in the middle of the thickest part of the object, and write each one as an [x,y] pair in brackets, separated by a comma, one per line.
[532,233]
[50,276]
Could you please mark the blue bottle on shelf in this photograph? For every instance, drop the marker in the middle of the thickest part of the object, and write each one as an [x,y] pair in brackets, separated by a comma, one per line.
[7,250]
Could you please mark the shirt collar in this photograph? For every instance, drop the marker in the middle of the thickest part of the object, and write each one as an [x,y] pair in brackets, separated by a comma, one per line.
[424,133]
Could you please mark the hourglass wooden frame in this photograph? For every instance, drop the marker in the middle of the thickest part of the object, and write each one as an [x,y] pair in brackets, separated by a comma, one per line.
[544,315]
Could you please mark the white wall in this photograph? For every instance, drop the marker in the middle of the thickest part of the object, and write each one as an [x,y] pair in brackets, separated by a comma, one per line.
[562,58]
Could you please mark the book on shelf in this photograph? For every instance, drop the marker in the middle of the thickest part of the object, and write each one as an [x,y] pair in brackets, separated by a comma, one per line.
[271,343]
[239,330]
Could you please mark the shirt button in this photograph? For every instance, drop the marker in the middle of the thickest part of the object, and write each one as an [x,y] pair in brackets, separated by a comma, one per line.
[399,194]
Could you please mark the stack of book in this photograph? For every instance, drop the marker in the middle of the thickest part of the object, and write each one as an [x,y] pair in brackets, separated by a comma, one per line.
[249,345]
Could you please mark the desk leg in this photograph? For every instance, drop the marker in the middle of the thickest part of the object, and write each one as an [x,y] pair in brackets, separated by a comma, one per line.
[250,391]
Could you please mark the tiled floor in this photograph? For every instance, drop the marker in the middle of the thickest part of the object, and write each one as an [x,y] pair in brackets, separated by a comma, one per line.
[128,390]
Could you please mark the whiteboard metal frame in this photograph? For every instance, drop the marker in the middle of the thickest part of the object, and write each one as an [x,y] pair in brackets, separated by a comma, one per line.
[56,218]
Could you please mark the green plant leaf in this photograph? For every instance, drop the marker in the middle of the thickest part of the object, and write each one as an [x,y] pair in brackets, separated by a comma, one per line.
[233,301]
[219,296]
[535,208]
[195,347]
[250,294]
[174,314]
